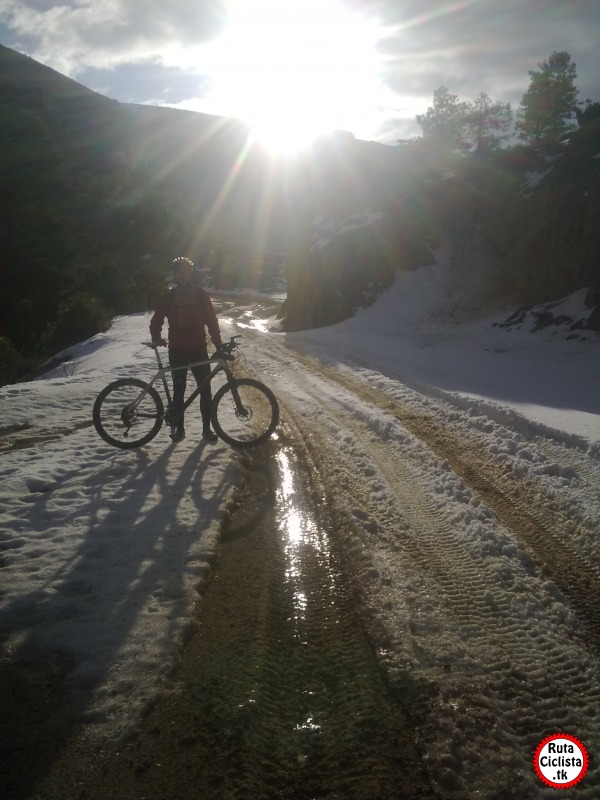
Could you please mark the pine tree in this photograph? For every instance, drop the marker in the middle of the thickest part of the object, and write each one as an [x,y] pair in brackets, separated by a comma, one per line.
[548,106]
[488,122]
[444,122]
[588,113]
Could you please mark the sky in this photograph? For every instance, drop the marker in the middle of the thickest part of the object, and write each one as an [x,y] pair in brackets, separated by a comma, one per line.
[104,551]
[294,68]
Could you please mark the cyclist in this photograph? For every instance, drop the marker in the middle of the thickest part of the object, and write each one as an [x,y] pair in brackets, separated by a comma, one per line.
[189,310]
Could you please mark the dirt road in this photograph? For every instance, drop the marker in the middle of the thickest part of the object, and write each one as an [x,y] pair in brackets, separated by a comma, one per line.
[473,540]
[406,603]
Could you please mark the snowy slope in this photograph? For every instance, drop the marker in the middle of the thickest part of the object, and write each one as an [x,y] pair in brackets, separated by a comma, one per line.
[412,334]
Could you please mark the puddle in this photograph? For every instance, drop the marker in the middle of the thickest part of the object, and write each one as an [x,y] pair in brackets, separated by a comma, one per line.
[256,324]
[306,546]
[254,316]
[299,530]
[279,693]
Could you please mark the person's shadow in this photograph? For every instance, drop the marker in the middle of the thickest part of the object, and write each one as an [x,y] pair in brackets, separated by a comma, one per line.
[80,621]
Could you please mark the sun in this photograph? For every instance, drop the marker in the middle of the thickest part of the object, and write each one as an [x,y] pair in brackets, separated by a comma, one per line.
[294,69]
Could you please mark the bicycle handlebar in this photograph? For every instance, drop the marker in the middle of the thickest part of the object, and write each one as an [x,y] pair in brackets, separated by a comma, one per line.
[227,347]
[231,344]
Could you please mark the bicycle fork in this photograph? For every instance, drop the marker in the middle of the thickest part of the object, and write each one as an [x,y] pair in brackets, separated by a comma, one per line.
[240,409]
[129,412]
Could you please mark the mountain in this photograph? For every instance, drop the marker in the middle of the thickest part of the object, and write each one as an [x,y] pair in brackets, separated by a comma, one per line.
[99,196]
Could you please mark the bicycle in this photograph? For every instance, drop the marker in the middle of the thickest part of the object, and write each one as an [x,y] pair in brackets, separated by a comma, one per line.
[130,412]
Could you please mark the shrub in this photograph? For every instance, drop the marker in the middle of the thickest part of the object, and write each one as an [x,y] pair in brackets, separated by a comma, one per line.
[10,361]
[78,318]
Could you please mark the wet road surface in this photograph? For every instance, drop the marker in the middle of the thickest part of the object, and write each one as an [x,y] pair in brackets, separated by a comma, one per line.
[279,693]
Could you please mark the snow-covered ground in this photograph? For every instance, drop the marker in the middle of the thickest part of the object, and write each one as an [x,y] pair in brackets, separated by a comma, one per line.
[411,335]
[104,551]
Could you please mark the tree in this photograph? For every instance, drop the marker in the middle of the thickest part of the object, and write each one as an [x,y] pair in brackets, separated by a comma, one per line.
[548,106]
[488,122]
[588,135]
[444,122]
[587,114]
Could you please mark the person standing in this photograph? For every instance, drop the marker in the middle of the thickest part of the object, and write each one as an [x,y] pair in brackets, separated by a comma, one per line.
[189,311]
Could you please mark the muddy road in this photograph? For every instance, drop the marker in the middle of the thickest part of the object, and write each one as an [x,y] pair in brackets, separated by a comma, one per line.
[471,539]
[405,603]
[280,692]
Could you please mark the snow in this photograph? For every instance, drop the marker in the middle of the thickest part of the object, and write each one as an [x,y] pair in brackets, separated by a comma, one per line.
[533,179]
[411,335]
[105,553]
[323,230]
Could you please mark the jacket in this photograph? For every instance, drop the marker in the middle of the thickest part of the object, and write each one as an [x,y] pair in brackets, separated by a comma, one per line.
[189,310]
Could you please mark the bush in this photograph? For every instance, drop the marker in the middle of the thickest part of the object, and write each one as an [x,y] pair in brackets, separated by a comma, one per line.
[80,317]
[10,361]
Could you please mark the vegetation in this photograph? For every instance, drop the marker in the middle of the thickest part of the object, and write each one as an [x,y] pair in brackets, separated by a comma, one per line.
[453,124]
[549,105]
[444,122]
[548,111]
[488,122]
[79,317]
[98,198]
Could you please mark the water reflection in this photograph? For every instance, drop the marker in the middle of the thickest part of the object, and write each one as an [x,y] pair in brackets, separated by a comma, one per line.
[261,325]
[309,569]
[254,311]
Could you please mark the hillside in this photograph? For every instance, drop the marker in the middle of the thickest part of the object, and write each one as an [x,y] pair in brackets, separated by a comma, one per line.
[99,196]
[525,222]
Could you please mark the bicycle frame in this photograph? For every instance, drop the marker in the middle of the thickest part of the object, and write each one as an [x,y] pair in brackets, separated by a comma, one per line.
[161,374]
[220,366]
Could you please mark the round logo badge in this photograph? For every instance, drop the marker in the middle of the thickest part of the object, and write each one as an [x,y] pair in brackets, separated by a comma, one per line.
[560,760]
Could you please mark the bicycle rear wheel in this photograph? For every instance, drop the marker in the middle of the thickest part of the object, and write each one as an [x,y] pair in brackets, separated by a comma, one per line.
[125,418]
[248,419]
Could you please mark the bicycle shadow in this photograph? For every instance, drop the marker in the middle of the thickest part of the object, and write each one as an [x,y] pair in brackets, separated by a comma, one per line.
[138,557]
[258,496]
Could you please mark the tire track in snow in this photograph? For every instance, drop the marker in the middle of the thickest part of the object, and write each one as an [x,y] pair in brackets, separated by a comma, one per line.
[509,636]
[532,511]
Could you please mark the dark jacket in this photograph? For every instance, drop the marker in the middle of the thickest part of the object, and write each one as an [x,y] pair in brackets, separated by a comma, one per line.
[188,310]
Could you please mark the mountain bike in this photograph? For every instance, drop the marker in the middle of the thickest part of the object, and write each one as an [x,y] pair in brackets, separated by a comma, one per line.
[129,412]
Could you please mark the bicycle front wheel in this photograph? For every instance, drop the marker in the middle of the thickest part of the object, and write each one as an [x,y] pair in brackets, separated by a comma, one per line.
[244,413]
[125,416]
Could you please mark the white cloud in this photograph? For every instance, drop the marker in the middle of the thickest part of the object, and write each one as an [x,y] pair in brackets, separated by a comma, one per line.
[155,48]
[106,33]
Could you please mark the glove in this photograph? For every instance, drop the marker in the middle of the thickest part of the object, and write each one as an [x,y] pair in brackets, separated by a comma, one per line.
[220,354]
[159,342]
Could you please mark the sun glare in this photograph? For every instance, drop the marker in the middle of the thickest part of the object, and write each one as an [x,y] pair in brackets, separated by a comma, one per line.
[294,69]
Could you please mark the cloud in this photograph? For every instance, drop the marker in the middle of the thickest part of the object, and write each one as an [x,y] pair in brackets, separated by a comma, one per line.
[148,82]
[485,45]
[105,33]
[151,50]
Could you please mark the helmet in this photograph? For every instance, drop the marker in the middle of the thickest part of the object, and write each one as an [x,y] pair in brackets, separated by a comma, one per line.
[181,261]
